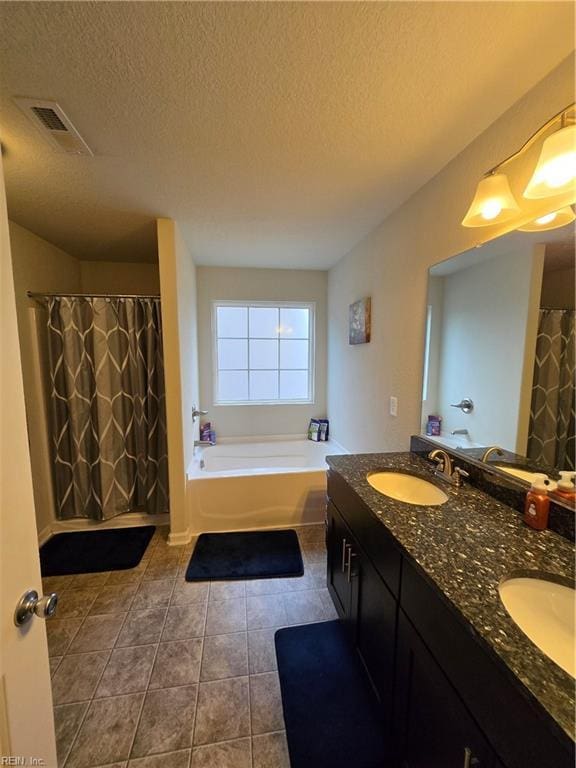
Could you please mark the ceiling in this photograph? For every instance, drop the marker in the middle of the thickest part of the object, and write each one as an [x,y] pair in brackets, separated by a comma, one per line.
[276,134]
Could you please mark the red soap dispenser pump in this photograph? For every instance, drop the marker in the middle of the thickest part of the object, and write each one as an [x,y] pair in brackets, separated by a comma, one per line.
[537,502]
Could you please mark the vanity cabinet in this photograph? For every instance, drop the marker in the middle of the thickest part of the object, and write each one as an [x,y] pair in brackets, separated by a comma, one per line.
[446,701]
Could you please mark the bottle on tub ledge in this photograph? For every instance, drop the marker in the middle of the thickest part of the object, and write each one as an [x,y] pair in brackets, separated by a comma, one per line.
[318,430]
[207,434]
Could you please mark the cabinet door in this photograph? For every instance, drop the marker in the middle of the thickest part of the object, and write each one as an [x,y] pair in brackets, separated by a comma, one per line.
[433,727]
[375,610]
[338,549]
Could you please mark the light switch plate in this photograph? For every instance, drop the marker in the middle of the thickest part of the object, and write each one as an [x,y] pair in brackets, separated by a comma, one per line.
[393,406]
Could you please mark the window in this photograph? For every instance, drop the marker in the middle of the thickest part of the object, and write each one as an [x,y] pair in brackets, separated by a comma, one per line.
[263,352]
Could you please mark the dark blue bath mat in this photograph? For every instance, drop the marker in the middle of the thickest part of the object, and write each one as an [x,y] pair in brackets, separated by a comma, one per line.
[111,549]
[245,555]
[331,714]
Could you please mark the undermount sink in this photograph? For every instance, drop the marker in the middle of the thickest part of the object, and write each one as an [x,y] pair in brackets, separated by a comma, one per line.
[544,610]
[522,474]
[407,488]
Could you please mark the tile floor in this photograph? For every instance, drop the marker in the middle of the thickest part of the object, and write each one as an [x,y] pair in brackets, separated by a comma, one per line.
[149,671]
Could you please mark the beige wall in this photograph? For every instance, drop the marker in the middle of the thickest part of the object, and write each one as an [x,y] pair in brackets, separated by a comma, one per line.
[391,265]
[40,266]
[260,285]
[119,277]
[179,333]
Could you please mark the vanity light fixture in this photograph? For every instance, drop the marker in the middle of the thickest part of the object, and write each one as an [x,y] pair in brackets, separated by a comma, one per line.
[555,174]
[550,221]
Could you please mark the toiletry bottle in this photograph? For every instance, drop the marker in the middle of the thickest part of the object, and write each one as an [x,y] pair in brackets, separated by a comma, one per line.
[566,487]
[537,502]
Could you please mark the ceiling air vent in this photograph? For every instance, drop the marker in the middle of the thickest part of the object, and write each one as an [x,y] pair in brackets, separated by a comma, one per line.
[54,125]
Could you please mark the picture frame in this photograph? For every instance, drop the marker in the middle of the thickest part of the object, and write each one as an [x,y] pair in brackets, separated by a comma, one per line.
[360,321]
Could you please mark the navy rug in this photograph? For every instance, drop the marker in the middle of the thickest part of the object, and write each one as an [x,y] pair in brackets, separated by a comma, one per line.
[111,549]
[245,555]
[331,713]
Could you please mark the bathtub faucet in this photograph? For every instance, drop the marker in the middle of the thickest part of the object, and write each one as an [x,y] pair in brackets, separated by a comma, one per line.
[199,443]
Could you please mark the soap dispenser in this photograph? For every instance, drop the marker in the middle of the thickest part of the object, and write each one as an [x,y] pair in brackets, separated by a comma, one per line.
[537,502]
[566,487]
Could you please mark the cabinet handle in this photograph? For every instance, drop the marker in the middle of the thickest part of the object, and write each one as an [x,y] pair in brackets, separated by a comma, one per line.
[349,564]
[345,545]
[469,760]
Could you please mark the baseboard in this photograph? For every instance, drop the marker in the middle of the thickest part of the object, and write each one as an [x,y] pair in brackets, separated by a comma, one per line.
[121,521]
[44,535]
[178,539]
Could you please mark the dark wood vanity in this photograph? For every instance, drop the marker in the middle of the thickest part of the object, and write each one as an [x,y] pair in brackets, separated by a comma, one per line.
[447,700]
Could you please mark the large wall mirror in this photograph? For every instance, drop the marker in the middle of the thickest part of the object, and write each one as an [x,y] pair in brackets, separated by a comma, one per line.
[500,334]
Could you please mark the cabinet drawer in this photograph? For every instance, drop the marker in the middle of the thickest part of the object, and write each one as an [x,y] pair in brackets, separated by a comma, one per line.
[515,726]
[372,536]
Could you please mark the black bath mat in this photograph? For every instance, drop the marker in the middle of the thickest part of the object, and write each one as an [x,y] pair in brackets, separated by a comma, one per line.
[111,549]
[245,555]
[331,714]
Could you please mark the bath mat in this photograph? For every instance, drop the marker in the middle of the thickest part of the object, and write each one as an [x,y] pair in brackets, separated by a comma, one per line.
[245,555]
[331,714]
[111,549]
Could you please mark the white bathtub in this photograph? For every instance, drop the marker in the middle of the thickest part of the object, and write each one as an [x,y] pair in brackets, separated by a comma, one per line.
[262,483]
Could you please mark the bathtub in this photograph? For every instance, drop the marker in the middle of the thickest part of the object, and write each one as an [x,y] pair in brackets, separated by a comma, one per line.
[258,483]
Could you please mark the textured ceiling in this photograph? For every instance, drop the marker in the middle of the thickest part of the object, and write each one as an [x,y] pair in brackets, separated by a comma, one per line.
[276,134]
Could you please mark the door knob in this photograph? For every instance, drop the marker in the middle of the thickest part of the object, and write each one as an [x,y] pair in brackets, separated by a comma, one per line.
[30,604]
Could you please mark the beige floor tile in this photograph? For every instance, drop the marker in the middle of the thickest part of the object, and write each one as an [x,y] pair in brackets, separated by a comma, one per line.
[230,754]
[60,633]
[224,656]
[153,594]
[304,607]
[265,611]
[266,703]
[166,722]
[97,633]
[223,711]
[88,580]
[75,603]
[116,598]
[67,721]
[107,732]
[142,627]
[261,651]
[226,590]
[177,663]
[54,664]
[266,587]
[161,570]
[128,671]
[77,677]
[184,621]
[180,759]
[270,750]
[190,592]
[226,616]
[55,583]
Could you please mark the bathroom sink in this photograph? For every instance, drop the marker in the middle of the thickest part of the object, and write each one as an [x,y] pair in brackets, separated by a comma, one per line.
[407,488]
[544,610]
[522,474]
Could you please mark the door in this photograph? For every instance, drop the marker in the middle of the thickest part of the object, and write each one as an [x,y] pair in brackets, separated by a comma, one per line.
[26,720]
[433,727]
[338,550]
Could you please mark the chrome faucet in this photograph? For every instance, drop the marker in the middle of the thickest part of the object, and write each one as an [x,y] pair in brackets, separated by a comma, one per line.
[459,432]
[489,451]
[203,443]
[445,470]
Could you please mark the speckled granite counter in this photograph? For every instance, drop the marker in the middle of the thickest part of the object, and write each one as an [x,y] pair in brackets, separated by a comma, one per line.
[466,546]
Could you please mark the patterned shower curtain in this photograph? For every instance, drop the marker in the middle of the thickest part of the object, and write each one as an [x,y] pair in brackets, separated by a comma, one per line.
[108,406]
[551,439]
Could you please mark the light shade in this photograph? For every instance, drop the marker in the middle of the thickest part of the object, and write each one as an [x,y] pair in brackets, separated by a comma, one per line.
[550,221]
[555,172]
[493,202]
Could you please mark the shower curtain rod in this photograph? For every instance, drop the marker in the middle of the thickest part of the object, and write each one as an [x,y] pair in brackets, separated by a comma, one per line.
[33,295]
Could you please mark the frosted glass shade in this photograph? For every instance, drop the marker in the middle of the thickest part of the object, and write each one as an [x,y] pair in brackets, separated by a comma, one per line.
[550,221]
[555,173]
[493,202]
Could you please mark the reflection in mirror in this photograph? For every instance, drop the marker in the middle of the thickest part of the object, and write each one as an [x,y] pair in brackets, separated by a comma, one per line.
[500,333]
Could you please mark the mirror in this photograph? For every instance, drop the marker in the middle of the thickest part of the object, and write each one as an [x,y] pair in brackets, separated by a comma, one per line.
[500,334]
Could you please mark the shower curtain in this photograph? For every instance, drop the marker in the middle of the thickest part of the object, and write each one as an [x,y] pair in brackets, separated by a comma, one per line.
[551,438]
[108,406]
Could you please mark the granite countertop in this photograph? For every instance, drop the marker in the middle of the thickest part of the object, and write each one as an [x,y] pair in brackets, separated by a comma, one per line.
[466,547]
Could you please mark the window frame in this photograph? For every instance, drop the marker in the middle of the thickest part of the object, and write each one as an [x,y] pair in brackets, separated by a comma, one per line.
[309,305]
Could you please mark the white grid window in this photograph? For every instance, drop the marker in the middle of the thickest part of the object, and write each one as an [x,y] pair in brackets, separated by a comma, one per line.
[263,352]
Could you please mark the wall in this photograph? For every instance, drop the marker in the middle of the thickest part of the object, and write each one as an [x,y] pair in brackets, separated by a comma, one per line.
[558,289]
[40,266]
[391,265]
[486,313]
[260,285]
[179,333]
